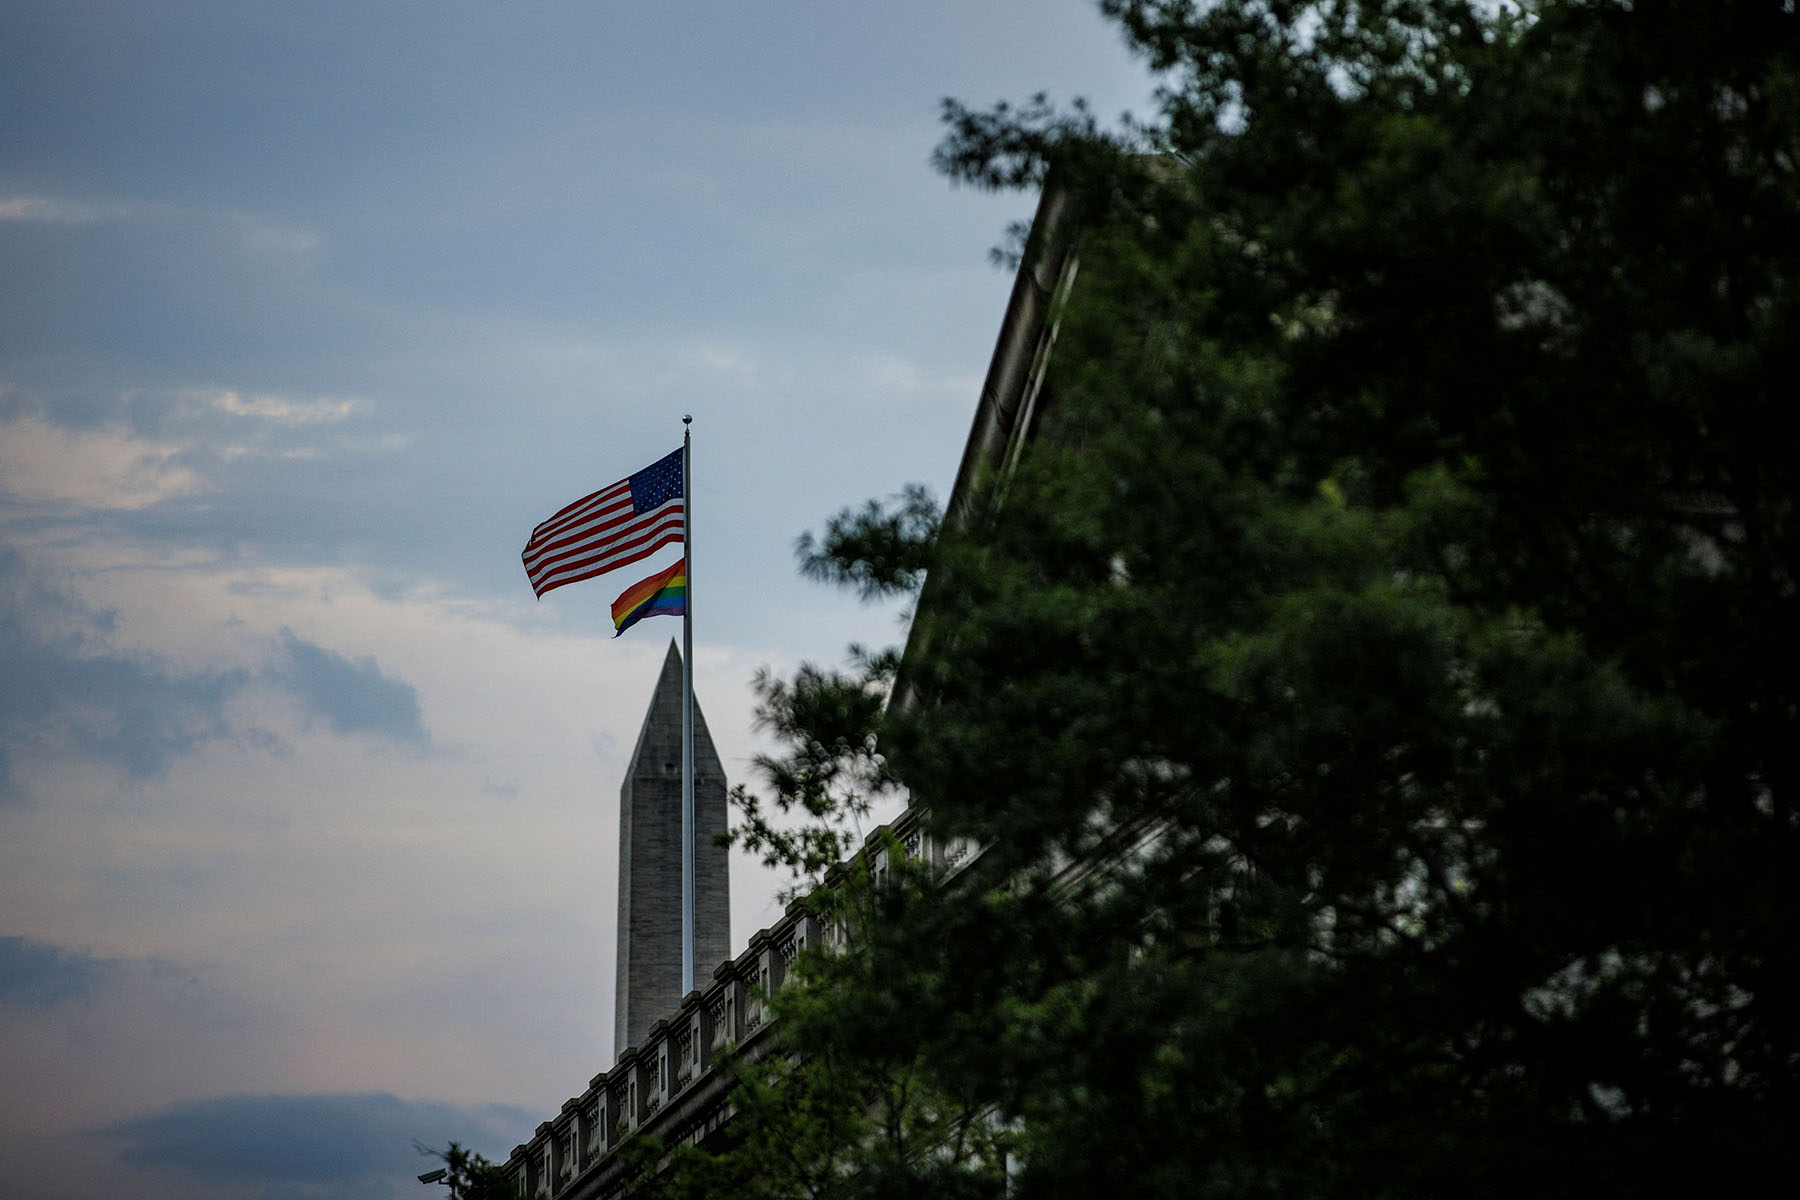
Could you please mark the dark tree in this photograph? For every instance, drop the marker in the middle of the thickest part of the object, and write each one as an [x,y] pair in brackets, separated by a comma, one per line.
[470,1176]
[1394,624]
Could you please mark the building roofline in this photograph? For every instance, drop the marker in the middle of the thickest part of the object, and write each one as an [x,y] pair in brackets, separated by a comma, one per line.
[1007,411]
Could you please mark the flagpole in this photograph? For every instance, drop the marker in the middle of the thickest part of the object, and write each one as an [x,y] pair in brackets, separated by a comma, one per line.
[687,713]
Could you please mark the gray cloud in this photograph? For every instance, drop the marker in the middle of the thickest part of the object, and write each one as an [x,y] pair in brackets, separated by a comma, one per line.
[65,691]
[38,975]
[322,1144]
[121,709]
[351,697]
[111,707]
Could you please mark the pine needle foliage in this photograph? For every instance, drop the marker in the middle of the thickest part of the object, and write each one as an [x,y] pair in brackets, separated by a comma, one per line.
[1377,690]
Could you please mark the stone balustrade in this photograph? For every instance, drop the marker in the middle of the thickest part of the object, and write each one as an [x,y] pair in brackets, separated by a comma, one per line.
[668,1085]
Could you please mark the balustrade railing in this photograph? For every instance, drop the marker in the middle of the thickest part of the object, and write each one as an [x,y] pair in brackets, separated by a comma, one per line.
[660,1083]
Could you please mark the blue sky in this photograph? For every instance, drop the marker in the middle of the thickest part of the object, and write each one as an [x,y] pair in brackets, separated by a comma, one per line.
[311,312]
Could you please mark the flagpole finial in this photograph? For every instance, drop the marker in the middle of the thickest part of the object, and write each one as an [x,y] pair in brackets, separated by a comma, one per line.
[687,418]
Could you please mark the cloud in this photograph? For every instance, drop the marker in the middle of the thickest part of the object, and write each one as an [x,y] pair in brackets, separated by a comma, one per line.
[119,709]
[101,468]
[41,976]
[37,975]
[66,690]
[259,234]
[263,236]
[328,1144]
[51,209]
[350,696]
[284,410]
[72,694]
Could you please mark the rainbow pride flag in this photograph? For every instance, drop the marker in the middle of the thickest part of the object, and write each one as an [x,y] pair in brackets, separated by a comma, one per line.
[664,594]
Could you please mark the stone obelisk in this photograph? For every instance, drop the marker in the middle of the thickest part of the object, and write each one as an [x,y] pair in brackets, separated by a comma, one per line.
[648,986]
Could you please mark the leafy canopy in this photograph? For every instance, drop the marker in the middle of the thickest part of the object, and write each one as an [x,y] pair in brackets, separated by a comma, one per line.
[1395,616]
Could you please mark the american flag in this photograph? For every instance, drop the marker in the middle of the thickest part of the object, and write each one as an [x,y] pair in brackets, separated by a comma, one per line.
[632,519]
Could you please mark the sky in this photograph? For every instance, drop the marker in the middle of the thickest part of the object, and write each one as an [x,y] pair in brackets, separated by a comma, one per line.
[309,312]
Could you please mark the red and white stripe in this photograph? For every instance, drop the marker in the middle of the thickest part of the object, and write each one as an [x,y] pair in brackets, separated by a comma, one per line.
[598,533]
